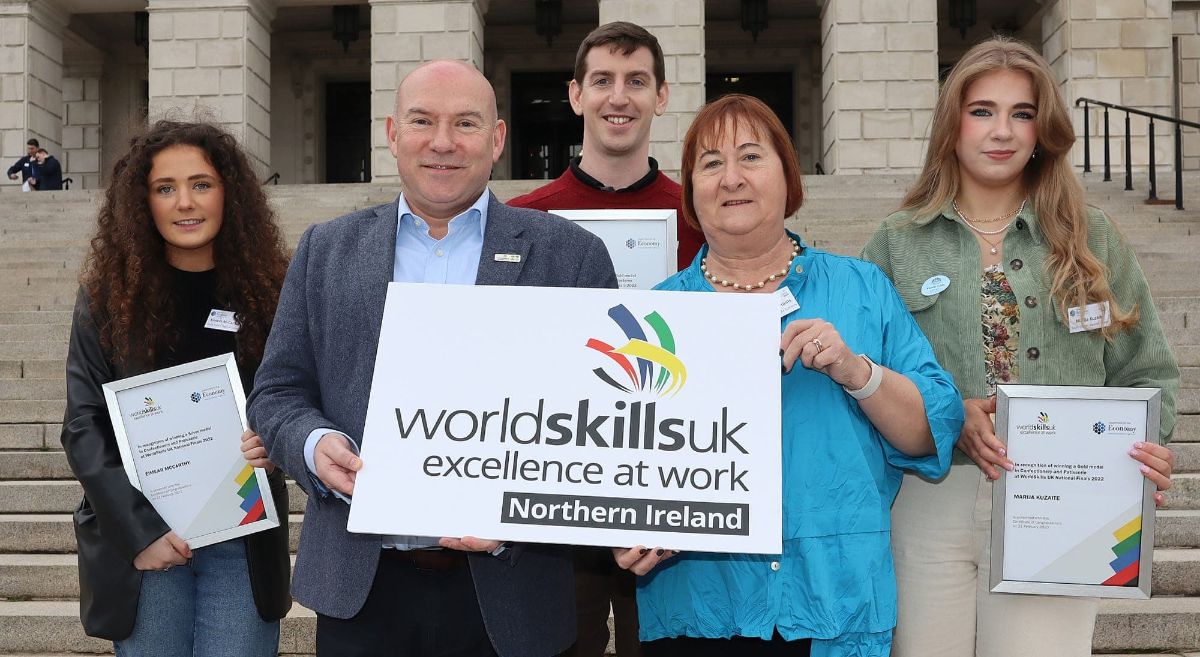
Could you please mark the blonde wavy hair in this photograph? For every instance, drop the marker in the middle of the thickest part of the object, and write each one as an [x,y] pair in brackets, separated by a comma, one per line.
[1076,276]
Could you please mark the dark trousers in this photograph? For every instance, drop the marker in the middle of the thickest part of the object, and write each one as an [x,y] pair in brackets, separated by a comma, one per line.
[413,609]
[738,646]
[599,582]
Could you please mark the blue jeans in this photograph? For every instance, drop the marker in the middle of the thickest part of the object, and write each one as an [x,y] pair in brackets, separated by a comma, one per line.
[202,609]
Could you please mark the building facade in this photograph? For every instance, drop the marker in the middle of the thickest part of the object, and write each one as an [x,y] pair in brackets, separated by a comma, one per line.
[307,85]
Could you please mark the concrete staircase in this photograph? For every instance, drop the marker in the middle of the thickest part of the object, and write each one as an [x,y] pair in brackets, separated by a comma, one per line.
[43,237]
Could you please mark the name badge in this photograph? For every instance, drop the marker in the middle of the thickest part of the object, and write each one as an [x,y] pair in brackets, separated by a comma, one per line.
[1089,318]
[221,320]
[508,257]
[787,301]
[935,284]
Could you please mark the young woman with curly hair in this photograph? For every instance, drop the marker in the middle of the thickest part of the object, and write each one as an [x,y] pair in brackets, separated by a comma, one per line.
[185,229]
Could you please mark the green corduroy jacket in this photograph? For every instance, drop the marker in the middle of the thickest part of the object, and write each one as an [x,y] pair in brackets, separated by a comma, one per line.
[911,251]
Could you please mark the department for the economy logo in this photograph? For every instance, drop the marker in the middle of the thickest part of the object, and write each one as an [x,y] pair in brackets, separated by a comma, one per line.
[651,368]
[643,243]
[1114,427]
[207,393]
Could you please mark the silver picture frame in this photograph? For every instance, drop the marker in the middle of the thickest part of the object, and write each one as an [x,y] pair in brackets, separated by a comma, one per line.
[146,387]
[1002,582]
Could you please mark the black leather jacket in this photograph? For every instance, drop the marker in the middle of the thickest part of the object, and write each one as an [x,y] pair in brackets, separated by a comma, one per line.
[114,522]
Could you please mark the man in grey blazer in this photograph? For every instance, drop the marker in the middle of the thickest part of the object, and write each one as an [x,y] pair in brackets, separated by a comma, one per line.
[409,595]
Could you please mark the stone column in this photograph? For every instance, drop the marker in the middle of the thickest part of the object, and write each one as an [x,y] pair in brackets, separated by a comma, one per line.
[211,59]
[404,34]
[879,84]
[1117,51]
[679,27]
[81,125]
[31,77]
[1186,28]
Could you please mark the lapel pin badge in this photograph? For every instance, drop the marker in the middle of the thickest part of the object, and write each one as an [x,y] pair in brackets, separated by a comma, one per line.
[508,257]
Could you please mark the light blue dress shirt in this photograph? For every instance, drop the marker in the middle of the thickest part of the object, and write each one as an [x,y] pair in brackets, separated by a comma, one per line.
[420,258]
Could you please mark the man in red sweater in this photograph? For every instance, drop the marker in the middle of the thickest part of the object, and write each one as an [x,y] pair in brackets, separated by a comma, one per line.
[619,88]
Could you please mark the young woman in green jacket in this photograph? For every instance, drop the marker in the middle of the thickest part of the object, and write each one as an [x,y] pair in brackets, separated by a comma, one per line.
[992,247]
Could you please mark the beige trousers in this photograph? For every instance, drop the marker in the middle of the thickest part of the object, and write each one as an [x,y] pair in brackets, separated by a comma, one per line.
[941,540]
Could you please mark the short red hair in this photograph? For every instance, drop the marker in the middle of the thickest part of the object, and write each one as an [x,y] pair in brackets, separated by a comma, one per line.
[708,129]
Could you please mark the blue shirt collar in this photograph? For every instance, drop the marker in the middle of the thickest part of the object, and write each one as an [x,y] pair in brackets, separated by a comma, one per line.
[478,209]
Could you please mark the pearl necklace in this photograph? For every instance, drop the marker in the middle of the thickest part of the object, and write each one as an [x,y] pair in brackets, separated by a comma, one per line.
[747,287]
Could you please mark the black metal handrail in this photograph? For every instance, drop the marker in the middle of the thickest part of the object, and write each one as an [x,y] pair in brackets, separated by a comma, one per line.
[273,179]
[1087,146]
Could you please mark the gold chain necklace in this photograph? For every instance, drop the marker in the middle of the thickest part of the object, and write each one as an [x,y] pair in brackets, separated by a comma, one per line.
[747,287]
[993,220]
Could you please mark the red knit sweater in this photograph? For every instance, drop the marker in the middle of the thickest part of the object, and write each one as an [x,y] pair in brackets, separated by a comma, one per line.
[568,193]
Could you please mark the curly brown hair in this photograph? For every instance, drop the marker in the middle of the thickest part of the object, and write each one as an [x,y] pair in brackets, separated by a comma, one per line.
[126,274]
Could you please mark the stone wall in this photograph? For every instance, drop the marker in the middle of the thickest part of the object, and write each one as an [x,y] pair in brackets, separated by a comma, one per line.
[679,27]
[405,33]
[31,77]
[1117,51]
[211,59]
[80,156]
[879,83]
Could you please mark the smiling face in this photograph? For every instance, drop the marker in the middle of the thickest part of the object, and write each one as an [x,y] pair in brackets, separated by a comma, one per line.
[445,137]
[997,129]
[618,100]
[187,202]
[738,185]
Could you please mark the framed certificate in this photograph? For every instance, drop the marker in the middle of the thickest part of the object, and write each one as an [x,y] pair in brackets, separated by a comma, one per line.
[641,243]
[179,431]
[1075,516]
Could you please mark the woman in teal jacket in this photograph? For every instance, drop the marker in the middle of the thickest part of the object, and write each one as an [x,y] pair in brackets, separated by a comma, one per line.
[862,399]
[992,248]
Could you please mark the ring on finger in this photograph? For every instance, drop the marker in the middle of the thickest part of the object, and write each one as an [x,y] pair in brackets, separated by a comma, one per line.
[820,347]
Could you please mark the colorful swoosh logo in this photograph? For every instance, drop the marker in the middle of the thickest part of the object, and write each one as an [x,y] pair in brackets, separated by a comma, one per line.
[648,367]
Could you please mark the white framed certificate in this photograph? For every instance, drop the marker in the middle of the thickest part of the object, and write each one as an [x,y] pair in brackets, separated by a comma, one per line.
[1075,516]
[643,244]
[179,431]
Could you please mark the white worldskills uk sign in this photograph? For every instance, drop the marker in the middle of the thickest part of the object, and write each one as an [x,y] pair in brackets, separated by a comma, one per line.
[589,417]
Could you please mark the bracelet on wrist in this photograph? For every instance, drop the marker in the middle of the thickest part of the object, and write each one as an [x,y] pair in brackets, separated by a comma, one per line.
[872,384]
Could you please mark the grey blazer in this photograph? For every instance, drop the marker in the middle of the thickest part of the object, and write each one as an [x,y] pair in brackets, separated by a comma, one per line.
[316,373]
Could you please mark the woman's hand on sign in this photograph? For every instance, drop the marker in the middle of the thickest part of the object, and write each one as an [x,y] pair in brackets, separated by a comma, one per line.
[640,559]
[978,438]
[255,452]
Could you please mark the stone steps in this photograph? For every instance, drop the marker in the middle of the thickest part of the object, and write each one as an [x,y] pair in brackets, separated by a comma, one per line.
[51,533]
[43,242]
[52,626]
[62,496]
